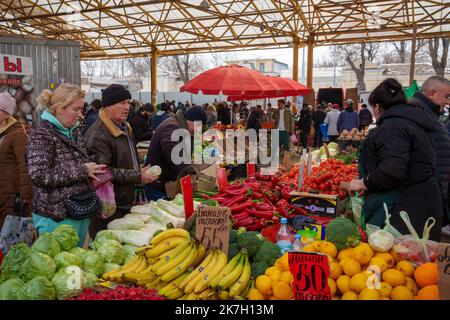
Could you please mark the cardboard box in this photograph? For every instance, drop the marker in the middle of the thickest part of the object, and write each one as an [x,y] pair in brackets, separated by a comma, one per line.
[205,182]
[320,226]
[323,205]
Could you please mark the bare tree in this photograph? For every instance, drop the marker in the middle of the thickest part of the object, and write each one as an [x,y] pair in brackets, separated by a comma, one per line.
[216,59]
[184,65]
[439,55]
[89,68]
[139,67]
[402,50]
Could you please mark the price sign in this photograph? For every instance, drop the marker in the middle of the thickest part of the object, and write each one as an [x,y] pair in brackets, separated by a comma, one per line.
[213,227]
[443,262]
[188,197]
[310,272]
[222,181]
[250,169]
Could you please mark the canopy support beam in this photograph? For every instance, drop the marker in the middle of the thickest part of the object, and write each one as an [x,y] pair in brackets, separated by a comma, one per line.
[412,68]
[295,65]
[310,63]
[154,76]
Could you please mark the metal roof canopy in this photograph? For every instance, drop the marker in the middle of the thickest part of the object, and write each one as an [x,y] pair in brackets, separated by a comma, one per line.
[110,29]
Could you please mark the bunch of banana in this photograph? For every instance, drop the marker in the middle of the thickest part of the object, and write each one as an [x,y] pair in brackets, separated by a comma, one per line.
[165,241]
[234,280]
[137,265]
[195,285]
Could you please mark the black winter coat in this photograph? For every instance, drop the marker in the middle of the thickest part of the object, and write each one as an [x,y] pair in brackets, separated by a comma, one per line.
[399,155]
[252,122]
[319,118]
[305,121]
[365,117]
[141,128]
[224,116]
[441,141]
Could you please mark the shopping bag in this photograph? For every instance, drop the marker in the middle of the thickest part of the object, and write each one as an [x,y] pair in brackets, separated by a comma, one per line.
[357,204]
[324,129]
[105,192]
[294,138]
[17,228]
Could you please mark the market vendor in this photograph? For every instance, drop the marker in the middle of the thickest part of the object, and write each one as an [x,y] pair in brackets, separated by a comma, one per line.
[161,146]
[397,164]
[110,141]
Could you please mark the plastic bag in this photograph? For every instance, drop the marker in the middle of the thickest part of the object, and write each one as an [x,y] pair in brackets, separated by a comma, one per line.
[357,203]
[294,138]
[105,192]
[413,248]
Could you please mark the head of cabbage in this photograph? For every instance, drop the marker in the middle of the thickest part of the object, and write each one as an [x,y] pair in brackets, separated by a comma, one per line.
[93,262]
[91,279]
[39,288]
[47,244]
[9,289]
[80,252]
[37,264]
[65,259]
[112,251]
[69,282]
[66,235]
[13,261]
[103,236]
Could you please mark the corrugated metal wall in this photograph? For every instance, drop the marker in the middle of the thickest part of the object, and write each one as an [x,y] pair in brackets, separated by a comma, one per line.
[40,51]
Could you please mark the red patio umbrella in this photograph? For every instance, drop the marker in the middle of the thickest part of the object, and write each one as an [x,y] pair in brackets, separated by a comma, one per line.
[286,88]
[231,80]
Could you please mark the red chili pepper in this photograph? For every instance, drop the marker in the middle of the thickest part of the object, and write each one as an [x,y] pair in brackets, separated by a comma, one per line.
[263,207]
[259,214]
[235,192]
[238,216]
[240,207]
[297,210]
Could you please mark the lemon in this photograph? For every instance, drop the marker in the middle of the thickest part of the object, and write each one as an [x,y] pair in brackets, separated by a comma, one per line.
[282,291]
[263,284]
[385,290]
[346,253]
[283,262]
[406,267]
[309,248]
[387,257]
[351,267]
[363,253]
[369,294]
[286,277]
[394,277]
[350,295]
[358,282]
[379,262]
[335,270]
[343,283]
[274,273]
[254,294]
[328,248]
[401,293]
[317,244]
[332,285]
[411,285]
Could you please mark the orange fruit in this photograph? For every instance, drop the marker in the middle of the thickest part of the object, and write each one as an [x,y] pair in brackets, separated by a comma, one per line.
[282,291]
[394,277]
[286,277]
[343,284]
[387,257]
[332,285]
[406,267]
[369,294]
[363,253]
[351,267]
[328,248]
[335,270]
[426,274]
[264,284]
[358,282]
[379,262]
[346,253]
[401,293]
[254,294]
[411,285]
[394,254]
[430,292]
[385,290]
[350,295]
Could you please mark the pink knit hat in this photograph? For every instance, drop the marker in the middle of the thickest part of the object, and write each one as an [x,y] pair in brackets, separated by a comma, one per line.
[7,103]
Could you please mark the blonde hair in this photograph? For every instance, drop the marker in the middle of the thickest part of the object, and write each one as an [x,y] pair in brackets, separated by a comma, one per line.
[63,96]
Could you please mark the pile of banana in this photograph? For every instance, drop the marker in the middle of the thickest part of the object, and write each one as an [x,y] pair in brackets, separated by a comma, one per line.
[176,266]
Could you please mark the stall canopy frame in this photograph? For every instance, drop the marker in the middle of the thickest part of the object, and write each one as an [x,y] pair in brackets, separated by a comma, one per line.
[110,29]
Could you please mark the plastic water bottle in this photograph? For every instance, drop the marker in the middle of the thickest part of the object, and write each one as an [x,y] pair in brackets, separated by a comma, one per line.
[296,246]
[284,237]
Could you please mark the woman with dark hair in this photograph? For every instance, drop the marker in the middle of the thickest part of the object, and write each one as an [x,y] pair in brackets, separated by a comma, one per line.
[397,164]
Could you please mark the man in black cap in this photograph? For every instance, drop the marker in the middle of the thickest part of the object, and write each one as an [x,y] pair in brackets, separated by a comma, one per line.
[110,141]
[161,146]
[140,123]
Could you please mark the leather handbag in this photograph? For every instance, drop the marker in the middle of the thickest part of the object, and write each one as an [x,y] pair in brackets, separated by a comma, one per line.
[83,205]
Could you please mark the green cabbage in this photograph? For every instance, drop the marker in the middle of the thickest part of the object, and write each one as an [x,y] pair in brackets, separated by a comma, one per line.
[65,259]
[37,264]
[39,288]
[130,252]
[80,252]
[69,282]
[91,279]
[93,262]
[103,236]
[47,244]
[67,236]
[13,261]
[112,251]
[9,289]
[110,267]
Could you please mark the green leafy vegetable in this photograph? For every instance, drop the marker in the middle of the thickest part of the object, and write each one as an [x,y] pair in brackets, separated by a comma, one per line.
[66,235]
[47,244]
[69,282]
[111,251]
[37,264]
[9,289]
[13,261]
[65,259]
[93,262]
[39,288]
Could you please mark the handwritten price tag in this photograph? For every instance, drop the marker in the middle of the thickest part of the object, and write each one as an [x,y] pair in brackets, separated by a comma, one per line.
[443,261]
[213,227]
[310,272]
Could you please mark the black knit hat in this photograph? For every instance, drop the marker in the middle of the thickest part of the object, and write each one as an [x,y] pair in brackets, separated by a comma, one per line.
[113,94]
[196,114]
